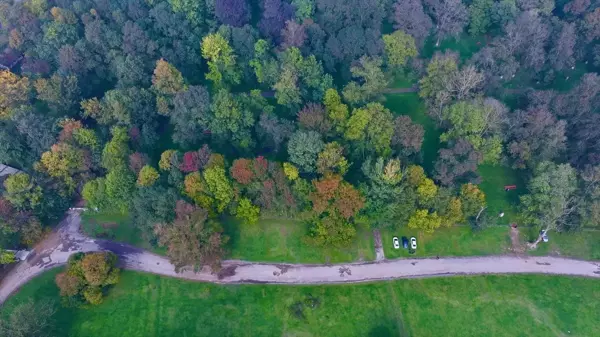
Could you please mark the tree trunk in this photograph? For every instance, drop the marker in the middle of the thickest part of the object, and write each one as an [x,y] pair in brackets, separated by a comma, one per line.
[533,245]
[478,214]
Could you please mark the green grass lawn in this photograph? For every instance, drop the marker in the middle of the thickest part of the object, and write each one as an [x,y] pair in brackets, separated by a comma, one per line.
[116,227]
[273,240]
[147,305]
[453,241]
[412,105]
[282,240]
[563,81]
[494,178]
[581,245]
[466,45]
[404,80]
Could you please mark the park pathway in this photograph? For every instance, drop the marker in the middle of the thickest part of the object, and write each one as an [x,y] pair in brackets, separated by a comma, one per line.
[55,250]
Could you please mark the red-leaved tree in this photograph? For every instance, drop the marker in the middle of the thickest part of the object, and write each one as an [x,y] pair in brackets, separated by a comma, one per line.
[190,162]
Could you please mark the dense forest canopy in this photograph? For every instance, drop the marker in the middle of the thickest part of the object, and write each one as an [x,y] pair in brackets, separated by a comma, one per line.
[180,112]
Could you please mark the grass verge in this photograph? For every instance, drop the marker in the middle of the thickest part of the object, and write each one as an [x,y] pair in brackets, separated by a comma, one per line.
[282,240]
[580,245]
[147,305]
[453,241]
[116,227]
[494,178]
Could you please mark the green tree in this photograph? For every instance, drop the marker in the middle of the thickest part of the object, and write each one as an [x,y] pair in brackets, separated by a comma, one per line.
[29,319]
[166,160]
[371,128]
[291,171]
[387,201]
[31,231]
[305,9]
[472,199]
[119,187]
[94,194]
[266,68]
[336,110]
[425,221]
[298,78]
[415,175]
[127,107]
[232,120]
[552,200]
[66,163]
[433,87]
[331,160]
[331,231]
[86,138]
[304,148]
[286,88]
[480,16]
[373,81]
[478,124]
[61,93]
[116,151]
[196,188]
[219,186]
[221,60]
[247,212]
[426,190]
[452,213]
[22,192]
[194,11]
[148,176]
[93,295]
[6,257]
[399,47]
[37,7]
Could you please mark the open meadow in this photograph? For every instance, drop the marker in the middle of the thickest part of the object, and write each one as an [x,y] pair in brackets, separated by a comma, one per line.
[148,305]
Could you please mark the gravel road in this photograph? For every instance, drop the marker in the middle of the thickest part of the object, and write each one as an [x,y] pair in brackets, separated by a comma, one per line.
[56,249]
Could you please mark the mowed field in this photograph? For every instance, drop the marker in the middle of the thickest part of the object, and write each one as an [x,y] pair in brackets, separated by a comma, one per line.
[270,240]
[146,305]
[284,240]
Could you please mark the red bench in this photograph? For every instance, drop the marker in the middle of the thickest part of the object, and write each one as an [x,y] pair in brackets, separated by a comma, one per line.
[510,187]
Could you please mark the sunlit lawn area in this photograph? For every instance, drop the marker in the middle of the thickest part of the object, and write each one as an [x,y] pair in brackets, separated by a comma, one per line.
[144,305]
[563,80]
[453,241]
[412,105]
[582,245]
[403,81]
[494,178]
[282,240]
[465,46]
[116,227]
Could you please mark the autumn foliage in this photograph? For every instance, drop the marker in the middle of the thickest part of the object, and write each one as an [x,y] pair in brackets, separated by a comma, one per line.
[190,162]
[87,275]
[336,196]
[241,171]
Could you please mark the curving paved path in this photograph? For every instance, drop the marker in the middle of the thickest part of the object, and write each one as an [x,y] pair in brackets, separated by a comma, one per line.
[56,249]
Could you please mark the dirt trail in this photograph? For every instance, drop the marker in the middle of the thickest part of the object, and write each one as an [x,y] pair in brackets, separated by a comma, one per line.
[379,253]
[236,272]
[516,246]
[401,90]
